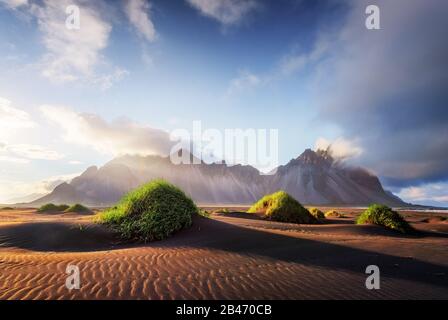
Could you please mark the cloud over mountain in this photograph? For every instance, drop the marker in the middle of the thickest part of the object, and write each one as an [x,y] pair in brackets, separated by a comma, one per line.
[121,136]
[389,87]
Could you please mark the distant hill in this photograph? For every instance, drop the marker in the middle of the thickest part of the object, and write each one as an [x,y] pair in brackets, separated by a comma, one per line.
[25,199]
[312,178]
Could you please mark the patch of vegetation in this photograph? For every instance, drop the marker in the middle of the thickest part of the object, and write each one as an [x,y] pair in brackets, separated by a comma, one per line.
[51,208]
[280,206]
[78,208]
[333,214]
[7,208]
[153,211]
[386,217]
[318,214]
[204,213]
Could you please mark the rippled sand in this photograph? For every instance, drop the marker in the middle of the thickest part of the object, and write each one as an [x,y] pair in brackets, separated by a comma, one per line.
[226,257]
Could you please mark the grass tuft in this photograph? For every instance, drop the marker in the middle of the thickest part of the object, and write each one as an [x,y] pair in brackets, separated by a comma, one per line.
[51,208]
[318,214]
[333,214]
[78,208]
[386,217]
[153,211]
[204,213]
[280,206]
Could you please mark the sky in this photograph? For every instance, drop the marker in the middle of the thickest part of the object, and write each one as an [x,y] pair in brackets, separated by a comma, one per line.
[135,70]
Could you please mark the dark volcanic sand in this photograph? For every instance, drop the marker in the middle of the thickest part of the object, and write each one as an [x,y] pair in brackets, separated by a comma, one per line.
[229,256]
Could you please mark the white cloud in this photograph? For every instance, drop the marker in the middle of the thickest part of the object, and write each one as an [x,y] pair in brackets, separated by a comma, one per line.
[396,107]
[227,12]
[106,81]
[426,193]
[137,13]
[291,63]
[245,80]
[12,121]
[339,148]
[72,54]
[23,153]
[121,136]
[75,162]
[13,4]
[10,190]
[32,152]
[12,118]
[10,159]
[296,62]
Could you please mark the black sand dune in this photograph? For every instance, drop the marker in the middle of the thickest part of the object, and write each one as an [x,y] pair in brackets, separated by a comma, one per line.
[222,258]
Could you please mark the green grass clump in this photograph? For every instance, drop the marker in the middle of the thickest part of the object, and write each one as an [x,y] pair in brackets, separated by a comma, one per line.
[153,211]
[204,213]
[333,214]
[7,208]
[317,213]
[51,207]
[78,208]
[280,206]
[384,216]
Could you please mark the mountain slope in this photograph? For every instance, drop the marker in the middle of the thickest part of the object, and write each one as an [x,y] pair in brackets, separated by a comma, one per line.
[312,178]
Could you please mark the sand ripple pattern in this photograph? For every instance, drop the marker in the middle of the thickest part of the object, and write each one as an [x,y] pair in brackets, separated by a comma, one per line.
[186,273]
[227,258]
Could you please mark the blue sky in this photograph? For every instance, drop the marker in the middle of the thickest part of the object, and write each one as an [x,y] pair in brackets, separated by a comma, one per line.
[137,69]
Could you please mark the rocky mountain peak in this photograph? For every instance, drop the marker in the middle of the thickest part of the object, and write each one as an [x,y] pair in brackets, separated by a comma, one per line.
[312,178]
[320,158]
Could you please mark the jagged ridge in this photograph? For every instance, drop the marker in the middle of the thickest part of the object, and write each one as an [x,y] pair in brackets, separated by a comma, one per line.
[312,178]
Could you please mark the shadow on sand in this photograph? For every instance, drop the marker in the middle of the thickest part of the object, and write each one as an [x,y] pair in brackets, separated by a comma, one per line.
[58,237]
[218,235]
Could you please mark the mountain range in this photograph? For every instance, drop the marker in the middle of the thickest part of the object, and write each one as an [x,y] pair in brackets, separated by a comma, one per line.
[313,178]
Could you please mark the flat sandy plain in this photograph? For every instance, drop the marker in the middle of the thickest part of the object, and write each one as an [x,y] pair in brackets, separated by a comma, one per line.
[228,256]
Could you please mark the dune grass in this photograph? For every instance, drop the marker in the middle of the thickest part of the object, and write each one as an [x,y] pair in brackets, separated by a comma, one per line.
[333,214]
[318,214]
[7,208]
[153,211]
[204,213]
[51,208]
[280,206]
[386,217]
[78,208]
